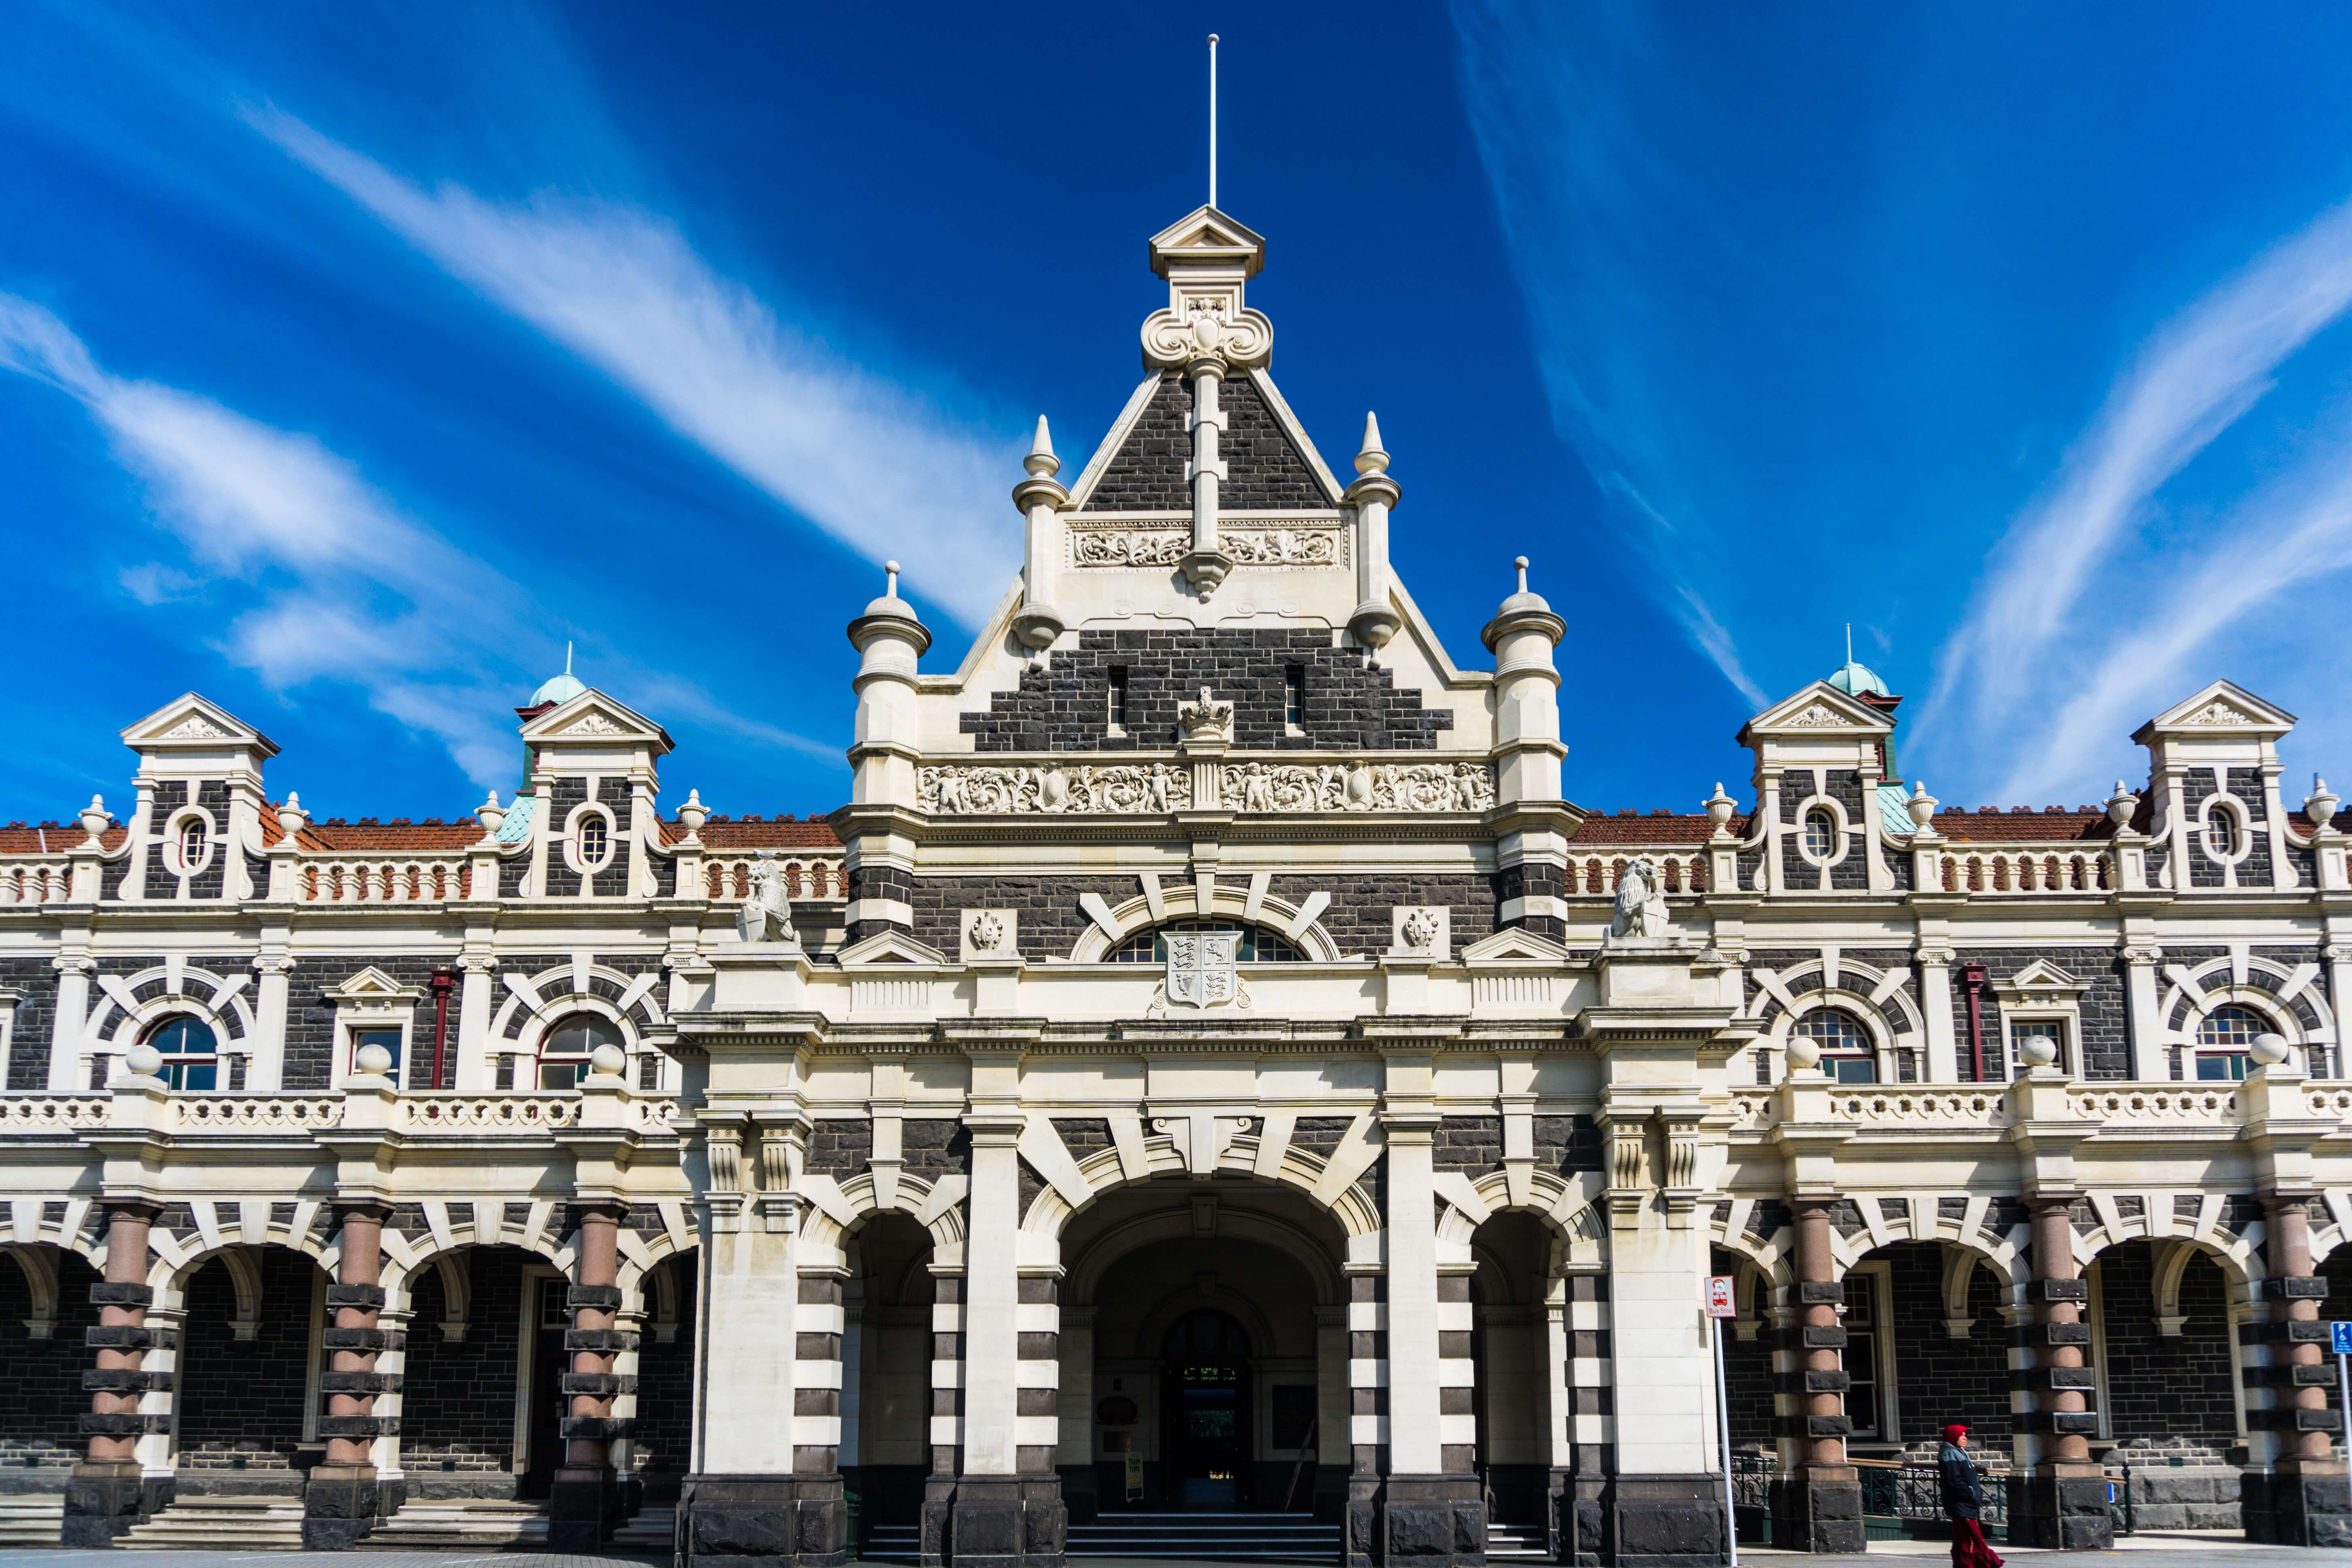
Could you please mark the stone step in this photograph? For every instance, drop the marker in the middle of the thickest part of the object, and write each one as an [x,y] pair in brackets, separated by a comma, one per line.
[1222,1537]
[221,1523]
[1516,1540]
[421,1524]
[653,1527]
[31,1518]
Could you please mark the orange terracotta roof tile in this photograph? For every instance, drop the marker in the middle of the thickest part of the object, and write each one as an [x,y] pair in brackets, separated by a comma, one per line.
[1650,828]
[2021,825]
[53,838]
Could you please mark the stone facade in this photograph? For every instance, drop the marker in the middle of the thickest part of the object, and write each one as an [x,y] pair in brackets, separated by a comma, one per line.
[947,1153]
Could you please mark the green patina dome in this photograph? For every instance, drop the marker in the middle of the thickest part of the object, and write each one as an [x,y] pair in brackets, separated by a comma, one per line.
[562,688]
[1854,678]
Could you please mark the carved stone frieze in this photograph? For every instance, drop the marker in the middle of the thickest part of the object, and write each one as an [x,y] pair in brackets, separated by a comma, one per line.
[1119,789]
[1356,786]
[961,789]
[1259,543]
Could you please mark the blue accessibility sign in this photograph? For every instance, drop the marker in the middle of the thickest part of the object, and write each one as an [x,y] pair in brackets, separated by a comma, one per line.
[2340,1338]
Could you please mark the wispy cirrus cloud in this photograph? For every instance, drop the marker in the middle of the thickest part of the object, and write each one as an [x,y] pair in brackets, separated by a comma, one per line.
[870,463]
[2038,667]
[347,587]
[1582,203]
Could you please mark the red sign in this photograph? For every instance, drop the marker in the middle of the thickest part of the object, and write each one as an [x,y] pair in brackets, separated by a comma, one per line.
[1720,1302]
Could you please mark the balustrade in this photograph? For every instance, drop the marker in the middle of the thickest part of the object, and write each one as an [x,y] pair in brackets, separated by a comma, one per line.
[34,882]
[728,878]
[51,1113]
[2024,871]
[255,1112]
[407,880]
[1600,874]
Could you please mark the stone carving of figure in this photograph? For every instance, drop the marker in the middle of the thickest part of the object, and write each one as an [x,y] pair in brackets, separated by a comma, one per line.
[767,914]
[1641,905]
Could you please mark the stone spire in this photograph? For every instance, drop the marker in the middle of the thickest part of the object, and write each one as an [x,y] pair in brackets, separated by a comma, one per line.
[1039,497]
[1374,620]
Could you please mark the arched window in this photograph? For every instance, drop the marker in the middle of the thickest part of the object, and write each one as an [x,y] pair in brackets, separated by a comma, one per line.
[2226,1038]
[563,1049]
[2221,833]
[1847,1053]
[191,1052]
[1821,833]
[190,846]
[1258,944]
[596,840]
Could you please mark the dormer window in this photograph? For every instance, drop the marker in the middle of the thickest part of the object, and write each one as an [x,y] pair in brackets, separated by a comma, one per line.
[590,845]
[1821,835]
[2221,834]
[594,840]
[190,843]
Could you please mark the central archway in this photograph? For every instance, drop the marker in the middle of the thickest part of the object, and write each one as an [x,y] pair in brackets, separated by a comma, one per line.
[1205,1353]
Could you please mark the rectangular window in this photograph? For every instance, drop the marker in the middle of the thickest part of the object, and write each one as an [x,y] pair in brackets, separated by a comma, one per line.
[1869,1362]
[1116,713]
[2023,1029]
[388,1038]
[1293,699]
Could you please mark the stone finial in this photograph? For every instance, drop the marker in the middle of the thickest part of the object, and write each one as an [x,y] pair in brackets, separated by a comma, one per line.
[1041,460]
[1720,808]
[1372,459]
[2321,806]
[291,817]
[1922,808]
[95,817]
[1521,562]
[693,814]
[889,579]
[490,813]
[2121,804]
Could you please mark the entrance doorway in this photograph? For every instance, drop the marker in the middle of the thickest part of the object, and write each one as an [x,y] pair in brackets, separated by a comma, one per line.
[1204,1413]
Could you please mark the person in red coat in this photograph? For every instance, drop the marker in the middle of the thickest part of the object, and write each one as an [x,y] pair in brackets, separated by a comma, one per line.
[1956,1475]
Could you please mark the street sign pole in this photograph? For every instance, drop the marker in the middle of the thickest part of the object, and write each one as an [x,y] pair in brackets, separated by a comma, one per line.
[2341,1336]
[1722,1304]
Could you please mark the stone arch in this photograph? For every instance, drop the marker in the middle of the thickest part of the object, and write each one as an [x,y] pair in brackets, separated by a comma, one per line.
[838,1207]
[2326,1239]
[2188,999]
[404,1259]
[1315,1255]
[173,1263]
[1566,1206]
[1332,1183]
[1878,999]
[2238,1252]
[39,1264]
[1163,1314]
[1302,923]
[120,1017]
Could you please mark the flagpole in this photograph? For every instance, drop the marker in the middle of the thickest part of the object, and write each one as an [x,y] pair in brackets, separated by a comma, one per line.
[1212,120]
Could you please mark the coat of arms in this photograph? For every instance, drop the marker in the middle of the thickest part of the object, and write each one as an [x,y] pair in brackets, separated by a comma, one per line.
[1201,970]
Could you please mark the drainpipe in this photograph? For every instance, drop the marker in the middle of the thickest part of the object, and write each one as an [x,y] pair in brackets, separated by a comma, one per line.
[444,981]
[1972,975]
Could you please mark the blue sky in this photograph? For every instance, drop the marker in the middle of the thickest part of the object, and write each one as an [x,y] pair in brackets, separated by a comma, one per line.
[356,360]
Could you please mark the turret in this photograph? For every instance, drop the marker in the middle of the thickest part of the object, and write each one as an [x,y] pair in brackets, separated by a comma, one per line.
[1374,620]
[889,638]
[1528,749]
[1039,496]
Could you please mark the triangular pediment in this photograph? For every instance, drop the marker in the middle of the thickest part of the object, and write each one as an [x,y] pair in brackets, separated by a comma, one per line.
[594,718]
[373,984]
[1513,943]
[1204,234]
[1820,709]
[889,948]
[190,721]
[2040,979]
[2221,708]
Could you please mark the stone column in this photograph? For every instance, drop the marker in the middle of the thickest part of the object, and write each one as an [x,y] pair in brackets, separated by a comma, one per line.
[1818,1506]
[581,1507]
[72,1014]
[1431,1508]
[340,1502]
[2299,1497]
[1007,1509]
[2060,1503]
[106,1494]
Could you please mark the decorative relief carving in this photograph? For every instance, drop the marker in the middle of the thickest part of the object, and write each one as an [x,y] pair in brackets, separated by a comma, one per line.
[1251,542]
[196,727]
[1207,719]
[987,932]
[1211,323]
[594,724]
[957,789]
[1356,786]
[2215,716]
[1819,716]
